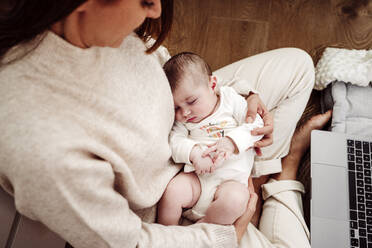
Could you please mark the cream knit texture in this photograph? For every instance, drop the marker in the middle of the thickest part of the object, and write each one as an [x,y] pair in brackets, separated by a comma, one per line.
[84,145]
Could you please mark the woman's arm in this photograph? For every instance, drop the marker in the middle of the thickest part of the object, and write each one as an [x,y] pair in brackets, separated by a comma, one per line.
[76,198]
[242,222]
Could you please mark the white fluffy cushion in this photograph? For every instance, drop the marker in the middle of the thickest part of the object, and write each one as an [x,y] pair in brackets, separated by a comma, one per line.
[354,66]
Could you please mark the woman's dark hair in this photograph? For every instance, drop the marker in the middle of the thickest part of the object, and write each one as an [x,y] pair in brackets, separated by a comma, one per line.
[157,28]
[23,20]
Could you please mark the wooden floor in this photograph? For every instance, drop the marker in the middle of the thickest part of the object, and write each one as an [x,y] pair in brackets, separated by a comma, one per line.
[223,31]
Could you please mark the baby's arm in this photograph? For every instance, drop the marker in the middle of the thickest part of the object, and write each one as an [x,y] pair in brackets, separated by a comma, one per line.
[185,150]
[221,150]
[241,135]
[239,139]
[180,144]
[202,164]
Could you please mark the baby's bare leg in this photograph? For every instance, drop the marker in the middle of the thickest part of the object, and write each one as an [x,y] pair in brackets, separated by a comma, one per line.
[230,202]
[183,191]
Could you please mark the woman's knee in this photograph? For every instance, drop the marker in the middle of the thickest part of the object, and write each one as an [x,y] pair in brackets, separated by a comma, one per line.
[304,63]
[300,55]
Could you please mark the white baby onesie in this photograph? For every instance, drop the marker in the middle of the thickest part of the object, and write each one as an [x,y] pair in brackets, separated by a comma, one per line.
[228,120]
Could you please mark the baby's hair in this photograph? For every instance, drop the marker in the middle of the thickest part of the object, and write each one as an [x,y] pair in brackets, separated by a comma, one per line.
[186,62]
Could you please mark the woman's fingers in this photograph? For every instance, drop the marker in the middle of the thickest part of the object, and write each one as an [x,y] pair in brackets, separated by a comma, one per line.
[242,222]
[251,208]
[268,119]
[266,141]
[258,151]
[266,130]
[252,108]
[250,185]
[268,127]
[261,108]
[255,105]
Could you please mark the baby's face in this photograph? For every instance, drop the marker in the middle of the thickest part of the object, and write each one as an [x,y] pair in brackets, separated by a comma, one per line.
[193,102]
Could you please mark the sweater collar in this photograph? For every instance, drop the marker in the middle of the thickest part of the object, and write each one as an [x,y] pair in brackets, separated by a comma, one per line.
[56,50]
[49,45]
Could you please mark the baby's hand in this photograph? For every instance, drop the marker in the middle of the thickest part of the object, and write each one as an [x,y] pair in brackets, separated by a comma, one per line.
[202,164]
[222,150]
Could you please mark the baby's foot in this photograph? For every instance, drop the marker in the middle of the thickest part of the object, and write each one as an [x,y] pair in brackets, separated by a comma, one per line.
[299,144]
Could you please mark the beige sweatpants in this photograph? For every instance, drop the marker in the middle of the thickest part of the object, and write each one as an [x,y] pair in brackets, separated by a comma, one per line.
[284,79]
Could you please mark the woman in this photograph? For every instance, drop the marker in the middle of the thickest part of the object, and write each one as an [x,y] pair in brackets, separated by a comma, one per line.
[85,115]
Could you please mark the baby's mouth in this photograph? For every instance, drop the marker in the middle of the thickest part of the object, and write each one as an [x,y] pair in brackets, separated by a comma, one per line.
[191,119]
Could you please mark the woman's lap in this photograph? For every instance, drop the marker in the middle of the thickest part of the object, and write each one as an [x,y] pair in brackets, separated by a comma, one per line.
[284,79]
[282,224]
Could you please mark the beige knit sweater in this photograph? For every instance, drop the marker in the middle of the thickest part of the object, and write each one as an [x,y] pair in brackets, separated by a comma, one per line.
[84,146]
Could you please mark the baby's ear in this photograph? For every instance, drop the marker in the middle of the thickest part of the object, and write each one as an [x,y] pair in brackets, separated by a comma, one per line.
[83,7]
[213,82]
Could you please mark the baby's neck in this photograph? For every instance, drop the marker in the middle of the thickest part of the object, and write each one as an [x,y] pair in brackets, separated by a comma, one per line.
[216,105]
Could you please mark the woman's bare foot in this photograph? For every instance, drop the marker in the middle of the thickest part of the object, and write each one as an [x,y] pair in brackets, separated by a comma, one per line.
[299,145]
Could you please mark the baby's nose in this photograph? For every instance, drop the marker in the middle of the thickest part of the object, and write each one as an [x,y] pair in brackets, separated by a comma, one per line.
[186,112]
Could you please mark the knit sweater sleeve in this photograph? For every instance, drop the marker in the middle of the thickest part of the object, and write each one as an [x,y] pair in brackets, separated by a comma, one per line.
[81,154]
[197,235]
[98,216]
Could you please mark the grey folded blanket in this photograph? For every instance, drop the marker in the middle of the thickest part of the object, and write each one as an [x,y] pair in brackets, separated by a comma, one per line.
[352,108]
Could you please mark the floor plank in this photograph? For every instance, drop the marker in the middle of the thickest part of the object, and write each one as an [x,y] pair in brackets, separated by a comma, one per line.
[358,31]
[226,41]
[248,10]
[281,23]
[303,24]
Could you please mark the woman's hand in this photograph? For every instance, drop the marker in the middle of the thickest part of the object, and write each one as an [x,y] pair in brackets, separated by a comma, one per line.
[255,105]
[242,222]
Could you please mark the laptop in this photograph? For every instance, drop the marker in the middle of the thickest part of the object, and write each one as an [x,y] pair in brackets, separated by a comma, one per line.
[341,197]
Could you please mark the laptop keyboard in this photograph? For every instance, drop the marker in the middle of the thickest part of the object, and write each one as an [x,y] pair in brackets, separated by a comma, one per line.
[359,155]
